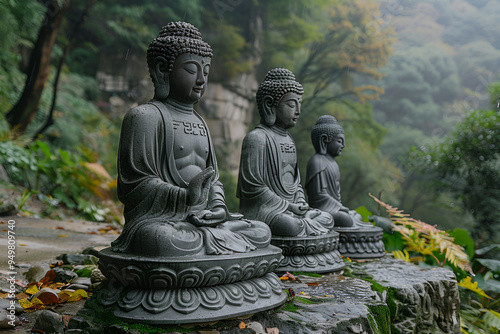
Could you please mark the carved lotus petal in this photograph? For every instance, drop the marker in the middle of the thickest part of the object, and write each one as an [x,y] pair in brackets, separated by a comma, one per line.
[186,300]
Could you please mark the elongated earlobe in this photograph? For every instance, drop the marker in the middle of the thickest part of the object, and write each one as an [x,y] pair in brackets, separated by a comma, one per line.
[161,79]
[269,110]
[323,143]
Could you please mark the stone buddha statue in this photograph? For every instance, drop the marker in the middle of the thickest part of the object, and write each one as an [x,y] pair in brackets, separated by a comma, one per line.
[167,170]
[182,257]
[269,186]
[269,180]
[357,238]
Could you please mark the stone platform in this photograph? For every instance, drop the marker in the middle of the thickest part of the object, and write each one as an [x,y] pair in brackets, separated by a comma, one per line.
[375,296]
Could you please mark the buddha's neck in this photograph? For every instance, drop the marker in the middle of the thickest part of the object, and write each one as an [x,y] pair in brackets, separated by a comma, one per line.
[279,130]
[180,106]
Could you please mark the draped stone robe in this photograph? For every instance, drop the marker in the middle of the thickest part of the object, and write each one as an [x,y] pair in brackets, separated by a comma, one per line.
[323,183]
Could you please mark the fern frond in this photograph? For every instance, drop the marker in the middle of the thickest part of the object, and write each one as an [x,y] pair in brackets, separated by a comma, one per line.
[425,238]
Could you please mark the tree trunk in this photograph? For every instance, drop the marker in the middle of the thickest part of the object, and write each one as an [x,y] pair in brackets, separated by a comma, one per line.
[21,115]
[50,118]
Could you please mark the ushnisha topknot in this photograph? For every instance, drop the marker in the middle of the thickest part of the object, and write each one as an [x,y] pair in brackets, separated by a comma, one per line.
[174,39]
[325,124]
[277,83]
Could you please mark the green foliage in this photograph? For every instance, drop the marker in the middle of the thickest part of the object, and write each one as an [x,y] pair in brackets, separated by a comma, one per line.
[481,301]
[423,243]
[468,164]
[353,44]
[230,45]
[59,174]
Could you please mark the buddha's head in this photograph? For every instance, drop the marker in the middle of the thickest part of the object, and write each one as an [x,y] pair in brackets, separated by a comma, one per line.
[278,99]
[179,62]
[328,136]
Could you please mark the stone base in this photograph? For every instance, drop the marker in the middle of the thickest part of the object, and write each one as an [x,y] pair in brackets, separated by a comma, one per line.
[314,254]
[188,289]
[187,271]
[191,305]
[362,241]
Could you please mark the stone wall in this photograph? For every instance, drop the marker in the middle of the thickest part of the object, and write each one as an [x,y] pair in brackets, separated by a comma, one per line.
[228,109]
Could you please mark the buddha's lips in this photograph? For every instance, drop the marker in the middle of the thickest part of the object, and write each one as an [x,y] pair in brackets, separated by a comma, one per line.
[198,89]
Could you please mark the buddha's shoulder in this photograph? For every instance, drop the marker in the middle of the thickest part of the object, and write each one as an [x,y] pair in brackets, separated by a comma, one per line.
[143,113]
[257,135]
[317,163]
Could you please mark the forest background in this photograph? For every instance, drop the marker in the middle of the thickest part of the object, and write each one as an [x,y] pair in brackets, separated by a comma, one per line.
[414,84]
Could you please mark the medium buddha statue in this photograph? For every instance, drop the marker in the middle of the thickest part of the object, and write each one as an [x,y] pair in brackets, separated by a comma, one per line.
[269,186]
[181,251]
[357,239]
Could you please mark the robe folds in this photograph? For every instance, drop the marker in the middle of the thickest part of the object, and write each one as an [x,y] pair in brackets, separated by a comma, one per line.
[261,188]
[154,194]
[322,183]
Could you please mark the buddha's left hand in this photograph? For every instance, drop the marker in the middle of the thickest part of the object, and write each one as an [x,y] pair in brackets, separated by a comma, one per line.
[208,217]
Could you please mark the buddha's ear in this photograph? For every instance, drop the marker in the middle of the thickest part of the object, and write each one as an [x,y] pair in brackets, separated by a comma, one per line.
[269,111]
[323,143]
[161,78]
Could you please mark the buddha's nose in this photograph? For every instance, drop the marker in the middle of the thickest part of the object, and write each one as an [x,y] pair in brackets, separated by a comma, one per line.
[200,80]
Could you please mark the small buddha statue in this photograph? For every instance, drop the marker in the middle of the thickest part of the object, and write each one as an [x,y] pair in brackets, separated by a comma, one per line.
[357,238]
[269,180]
[269,186]
[182,256]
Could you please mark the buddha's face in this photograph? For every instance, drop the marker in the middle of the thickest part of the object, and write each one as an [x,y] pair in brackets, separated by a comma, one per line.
[288,110]
[189,77]
[336,146]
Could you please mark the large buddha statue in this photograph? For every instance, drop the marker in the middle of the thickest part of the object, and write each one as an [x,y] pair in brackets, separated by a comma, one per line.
[357,238]
[181,251]
[269,180]
[167,171]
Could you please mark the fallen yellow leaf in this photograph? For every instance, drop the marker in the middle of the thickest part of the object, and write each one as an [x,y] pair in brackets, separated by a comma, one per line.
[63,296]
[62,236]
[32,289]
[35,303]
[77,295]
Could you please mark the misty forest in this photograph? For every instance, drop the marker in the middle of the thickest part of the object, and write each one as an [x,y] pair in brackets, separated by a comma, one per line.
[415,84]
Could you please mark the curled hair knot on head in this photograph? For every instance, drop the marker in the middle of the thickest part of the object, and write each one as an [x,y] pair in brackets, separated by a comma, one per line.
[174,39]
[276,84]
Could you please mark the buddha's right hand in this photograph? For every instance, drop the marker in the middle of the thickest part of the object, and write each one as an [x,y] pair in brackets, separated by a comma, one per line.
[199,187]
[299,208]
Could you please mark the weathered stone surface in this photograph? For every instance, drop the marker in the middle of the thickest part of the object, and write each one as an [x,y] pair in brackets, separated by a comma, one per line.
[6,303]
[64,275]
[37,272]
[404,298]
[7,319]
[377,296]
[426,300]
[49,322]
[75,259]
